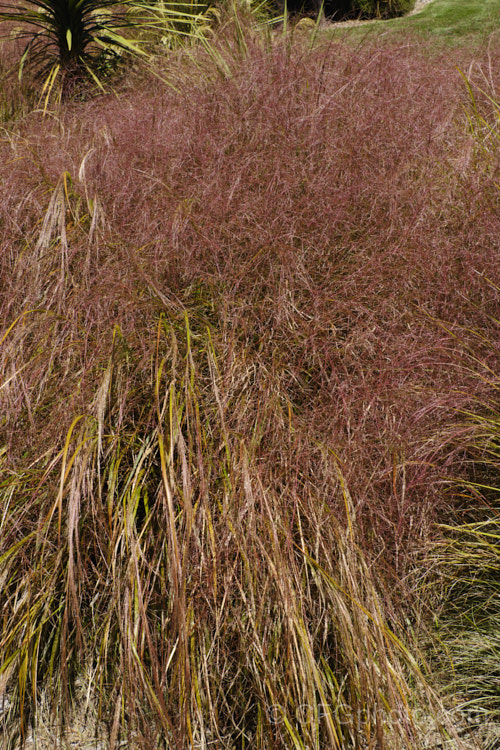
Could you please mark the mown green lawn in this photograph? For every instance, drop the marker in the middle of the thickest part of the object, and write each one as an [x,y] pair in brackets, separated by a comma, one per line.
[448,21]
[455,19]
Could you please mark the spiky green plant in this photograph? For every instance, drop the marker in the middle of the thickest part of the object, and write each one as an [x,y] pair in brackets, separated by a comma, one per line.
[75,39]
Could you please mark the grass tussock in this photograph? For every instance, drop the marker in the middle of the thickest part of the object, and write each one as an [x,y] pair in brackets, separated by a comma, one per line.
[226,407]
[463,572]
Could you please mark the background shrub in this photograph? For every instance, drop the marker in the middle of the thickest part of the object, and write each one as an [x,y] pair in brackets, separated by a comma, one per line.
[382,8]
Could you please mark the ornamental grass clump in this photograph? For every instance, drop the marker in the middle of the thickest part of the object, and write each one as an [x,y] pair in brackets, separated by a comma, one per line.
[468,560]
[483,116]
[202,604]
[223,404]
[464,563]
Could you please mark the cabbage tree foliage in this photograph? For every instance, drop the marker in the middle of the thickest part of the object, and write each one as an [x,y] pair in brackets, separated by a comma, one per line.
[75,39]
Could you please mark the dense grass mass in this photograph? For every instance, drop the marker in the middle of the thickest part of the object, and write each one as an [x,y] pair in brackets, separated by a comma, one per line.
[248,359]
